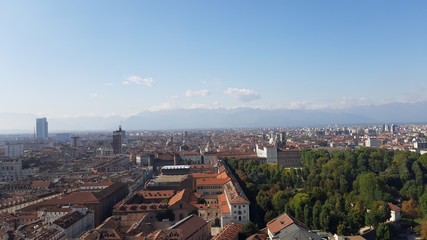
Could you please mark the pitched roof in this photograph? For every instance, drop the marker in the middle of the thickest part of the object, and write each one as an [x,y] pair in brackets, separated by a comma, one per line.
[72,198]
[222,200]
[235,194]
[185,195]
[211,181]
[189,225]
[229,232]
[281,222]
[40,184]
[156,194]
[393,207]
[97,184]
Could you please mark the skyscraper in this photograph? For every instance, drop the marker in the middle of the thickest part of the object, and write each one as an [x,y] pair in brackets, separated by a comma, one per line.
[41,128]
[117,141]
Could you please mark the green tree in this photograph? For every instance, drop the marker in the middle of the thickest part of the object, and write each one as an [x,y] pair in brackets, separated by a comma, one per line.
[279,201]
[378,213]
[248,229]
[325,218]
[423,204]
[383,232]
[269,215]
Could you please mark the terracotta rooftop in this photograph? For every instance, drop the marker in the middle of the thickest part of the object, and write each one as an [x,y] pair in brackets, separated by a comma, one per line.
[393,207]
[222,200]
[189,225]
[229,232]
[204,175]
[234,194]
[97,184]
[211,181]
[281,222]
[157,194]
[185,195]
[40,184]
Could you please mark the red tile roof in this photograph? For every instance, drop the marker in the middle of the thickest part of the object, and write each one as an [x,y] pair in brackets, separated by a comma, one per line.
[281,222]
[229,232]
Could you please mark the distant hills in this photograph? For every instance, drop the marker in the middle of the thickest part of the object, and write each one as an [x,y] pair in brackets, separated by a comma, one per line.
[248,117]
[224,118]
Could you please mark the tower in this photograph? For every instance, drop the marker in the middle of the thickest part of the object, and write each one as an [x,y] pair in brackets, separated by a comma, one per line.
[41,128]
[117,141]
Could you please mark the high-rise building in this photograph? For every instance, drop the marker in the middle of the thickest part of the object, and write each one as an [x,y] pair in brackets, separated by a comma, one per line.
[75,141]
[41,128]
[117,141]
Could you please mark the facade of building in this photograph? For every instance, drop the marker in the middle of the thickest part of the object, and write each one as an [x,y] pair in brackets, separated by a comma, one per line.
[12,170]
[117,141]
[270,153]
[14,150]
[75,141]
[373,142]
[72,225]
[193,228]
[41,128]
[289,158]
[62,137]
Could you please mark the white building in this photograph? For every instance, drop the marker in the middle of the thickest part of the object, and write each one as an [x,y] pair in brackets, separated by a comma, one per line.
[270,153]
[234,205]
[14,150]
[75,223]
[11,170]
[394,213]
[41,128]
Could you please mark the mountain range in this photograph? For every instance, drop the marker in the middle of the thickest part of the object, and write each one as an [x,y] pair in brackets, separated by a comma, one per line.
[224,118]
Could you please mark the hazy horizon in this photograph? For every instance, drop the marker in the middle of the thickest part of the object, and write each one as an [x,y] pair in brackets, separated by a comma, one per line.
[117,59]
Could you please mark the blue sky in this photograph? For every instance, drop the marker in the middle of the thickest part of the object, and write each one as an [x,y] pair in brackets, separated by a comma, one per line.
[99,58]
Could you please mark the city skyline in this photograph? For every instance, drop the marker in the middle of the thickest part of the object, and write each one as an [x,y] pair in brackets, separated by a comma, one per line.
[68,59]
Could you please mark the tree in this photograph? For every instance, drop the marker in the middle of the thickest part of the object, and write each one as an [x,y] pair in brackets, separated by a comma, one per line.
[299,201]
[317,209]
[383,232]
[279,201]
[263,200]
[369,188]
[410,208]
[307,214]
[269,215]
[423,229]
[378,213]
[324,218]
[423,204]
[248,229]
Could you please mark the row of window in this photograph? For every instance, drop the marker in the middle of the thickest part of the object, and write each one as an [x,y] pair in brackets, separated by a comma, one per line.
[209,187]
[7,168]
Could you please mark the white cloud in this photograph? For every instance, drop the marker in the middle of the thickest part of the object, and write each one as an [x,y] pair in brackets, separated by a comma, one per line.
[242,94]
[109,84]
[197,93]
[162,107]
[214,105]
[138,80]
[305,105]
